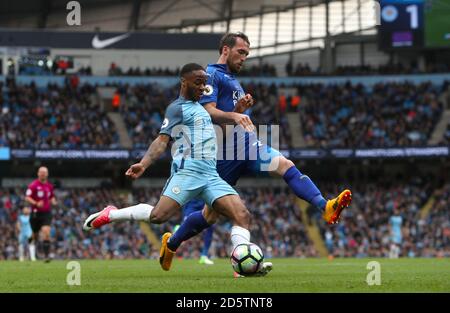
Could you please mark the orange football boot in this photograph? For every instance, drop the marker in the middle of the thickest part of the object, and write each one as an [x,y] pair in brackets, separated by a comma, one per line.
[165,254]
[335,206]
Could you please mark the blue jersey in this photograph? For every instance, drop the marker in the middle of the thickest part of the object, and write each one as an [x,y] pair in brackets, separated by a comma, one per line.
[224,90]
[191,128]
[25,226]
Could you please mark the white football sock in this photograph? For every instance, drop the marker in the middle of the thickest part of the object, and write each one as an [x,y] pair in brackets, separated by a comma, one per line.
[139,212]
[239,235]
[21,254]
[32,249]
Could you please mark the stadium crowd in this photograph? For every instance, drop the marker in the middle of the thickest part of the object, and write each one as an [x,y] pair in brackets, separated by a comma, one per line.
[69,240]
[277,225]
[347,115]
[143,121]
[364,230]
[53,117]
[299,69]
[266,69]
[389,114]
[116,70]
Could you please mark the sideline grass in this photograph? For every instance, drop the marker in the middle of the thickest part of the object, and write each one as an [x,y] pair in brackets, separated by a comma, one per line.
[289,275]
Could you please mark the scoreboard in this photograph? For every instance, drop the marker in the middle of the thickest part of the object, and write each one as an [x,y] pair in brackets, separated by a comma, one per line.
[414,24]
[401,23]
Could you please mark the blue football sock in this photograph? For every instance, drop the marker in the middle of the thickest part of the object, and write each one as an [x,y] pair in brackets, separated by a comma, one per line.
[194,224]
[207,240]
[304,188]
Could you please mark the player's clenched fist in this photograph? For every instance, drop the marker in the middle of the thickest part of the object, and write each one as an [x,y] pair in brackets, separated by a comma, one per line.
[244,103]
[135,170]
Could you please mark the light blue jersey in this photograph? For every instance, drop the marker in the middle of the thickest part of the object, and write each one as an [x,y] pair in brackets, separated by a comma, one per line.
[191,128]
[396,225]
[25,228]
[193,171]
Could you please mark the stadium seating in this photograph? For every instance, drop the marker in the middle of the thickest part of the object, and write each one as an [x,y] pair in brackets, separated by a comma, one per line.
[349,115]
[277,225]
[391,114]
[364,229]
[54,117]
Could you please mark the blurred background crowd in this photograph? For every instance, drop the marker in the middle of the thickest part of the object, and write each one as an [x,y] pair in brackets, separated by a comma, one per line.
[278,225]
[347,115]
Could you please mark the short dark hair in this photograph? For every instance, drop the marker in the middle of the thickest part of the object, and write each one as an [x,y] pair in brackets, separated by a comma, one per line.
[229,39]
[190,67]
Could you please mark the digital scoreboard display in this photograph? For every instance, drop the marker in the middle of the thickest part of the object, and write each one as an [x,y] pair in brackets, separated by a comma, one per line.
[414,24]
[402,23]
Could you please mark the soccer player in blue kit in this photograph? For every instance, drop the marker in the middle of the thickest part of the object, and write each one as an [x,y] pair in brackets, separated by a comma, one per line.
[193,170]
[395,226]
[24,228]
[226,101]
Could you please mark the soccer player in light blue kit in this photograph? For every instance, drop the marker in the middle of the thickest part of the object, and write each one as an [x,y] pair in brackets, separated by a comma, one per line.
[225,100]
[193,170]
[395,223]
[24,229]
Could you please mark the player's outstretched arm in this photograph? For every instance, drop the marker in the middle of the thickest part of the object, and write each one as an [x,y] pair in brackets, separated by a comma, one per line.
[222,117]
[157,147]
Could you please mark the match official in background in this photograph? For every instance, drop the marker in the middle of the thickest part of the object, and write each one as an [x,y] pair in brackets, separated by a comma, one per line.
[41,197]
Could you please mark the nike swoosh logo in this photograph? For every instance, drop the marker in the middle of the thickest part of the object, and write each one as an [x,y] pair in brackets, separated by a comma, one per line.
[100,44]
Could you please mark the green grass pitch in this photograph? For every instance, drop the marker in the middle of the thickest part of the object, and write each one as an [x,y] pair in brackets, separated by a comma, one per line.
[289,275]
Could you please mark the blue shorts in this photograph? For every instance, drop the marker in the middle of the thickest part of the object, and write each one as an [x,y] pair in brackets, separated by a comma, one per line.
[231,170]
[397,239]
[185,185]
[23,238]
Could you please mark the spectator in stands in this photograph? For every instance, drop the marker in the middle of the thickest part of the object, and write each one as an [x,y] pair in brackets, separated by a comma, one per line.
[345,116]
[114,70]
[386,115]
[277,223]
[56,117]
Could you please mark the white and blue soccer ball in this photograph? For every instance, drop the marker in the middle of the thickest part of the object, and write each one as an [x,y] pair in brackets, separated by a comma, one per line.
[247,259]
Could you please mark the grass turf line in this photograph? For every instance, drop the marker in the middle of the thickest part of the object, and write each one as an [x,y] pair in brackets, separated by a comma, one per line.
[289,275]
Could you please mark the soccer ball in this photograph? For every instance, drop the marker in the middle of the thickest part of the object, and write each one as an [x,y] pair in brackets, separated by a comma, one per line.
[247,259]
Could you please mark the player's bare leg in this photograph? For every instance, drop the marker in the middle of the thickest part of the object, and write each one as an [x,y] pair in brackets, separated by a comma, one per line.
[305,189]
[164,209]
[232,207]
